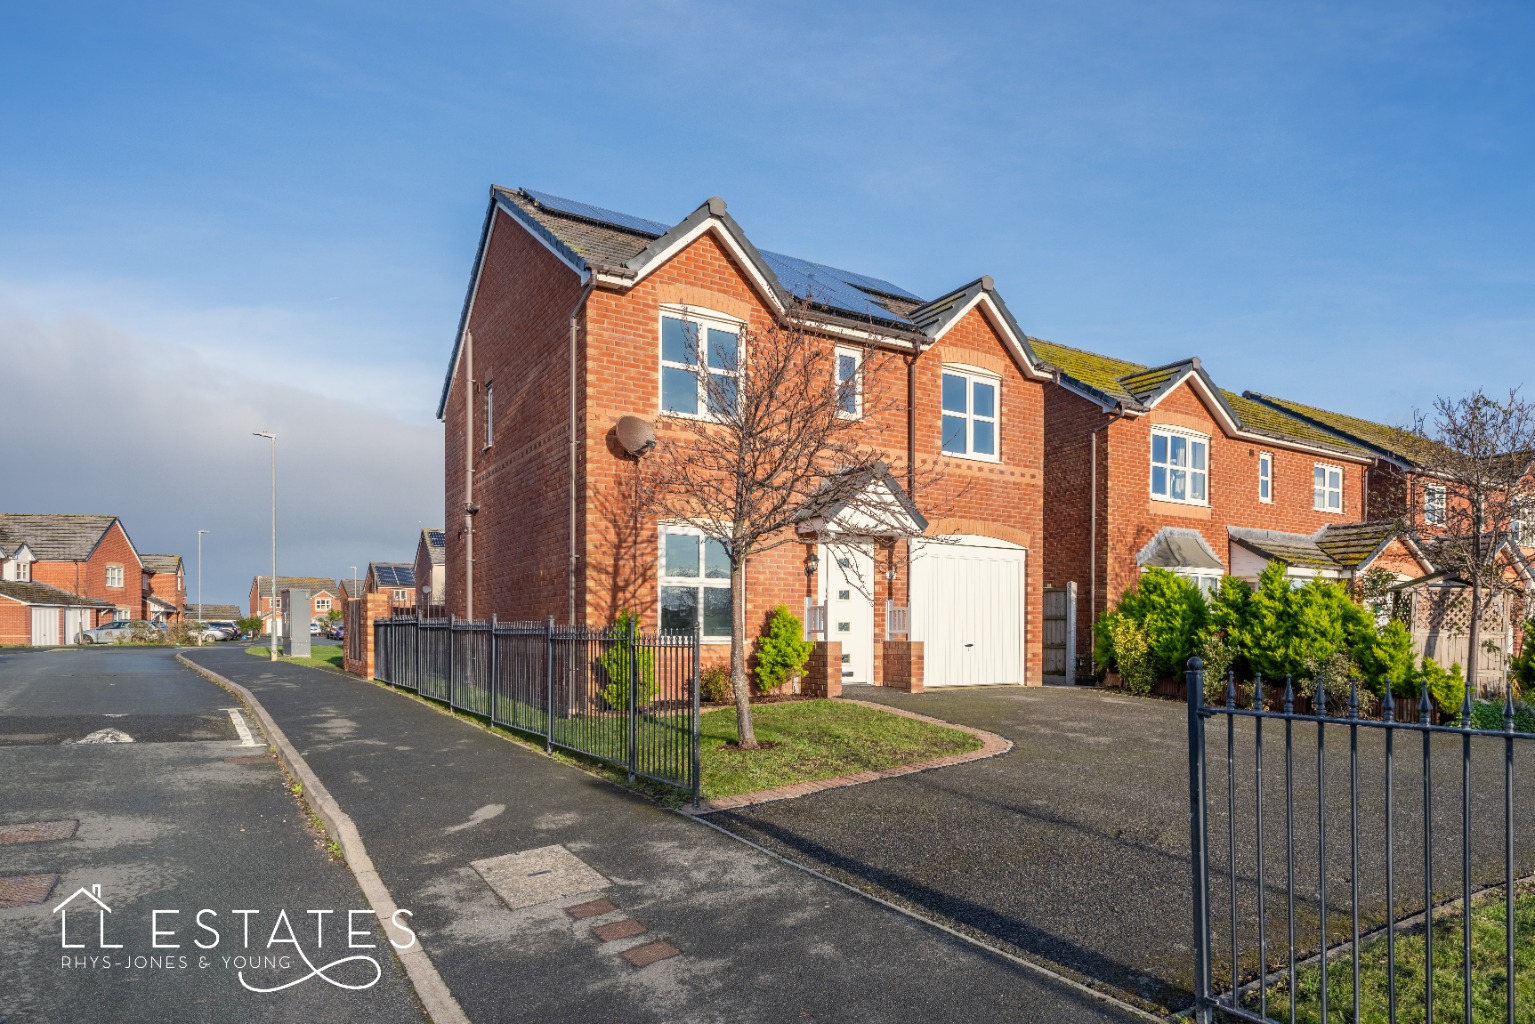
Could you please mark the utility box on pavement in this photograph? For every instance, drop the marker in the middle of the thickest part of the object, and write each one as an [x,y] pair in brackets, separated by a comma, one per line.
[295,623]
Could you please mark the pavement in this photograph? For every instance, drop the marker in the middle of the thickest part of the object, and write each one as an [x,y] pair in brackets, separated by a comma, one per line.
[183,818]
[1073,848]
[541,892]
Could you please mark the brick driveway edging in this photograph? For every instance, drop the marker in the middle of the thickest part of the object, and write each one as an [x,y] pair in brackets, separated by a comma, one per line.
[992,745]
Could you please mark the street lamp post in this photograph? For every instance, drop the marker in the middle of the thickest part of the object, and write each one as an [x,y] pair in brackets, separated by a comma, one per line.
[200,574]
[272,628]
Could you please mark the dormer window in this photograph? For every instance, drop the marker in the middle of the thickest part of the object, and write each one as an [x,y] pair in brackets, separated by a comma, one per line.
[23,571]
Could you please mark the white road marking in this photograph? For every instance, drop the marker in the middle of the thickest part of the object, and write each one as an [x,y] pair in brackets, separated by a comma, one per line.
[106,736]
[246,739]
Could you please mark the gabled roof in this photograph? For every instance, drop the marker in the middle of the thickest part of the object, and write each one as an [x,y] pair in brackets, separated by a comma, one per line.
[621,249]
[42,594]
[1137,389]
[436,542]
[935,319]
[1347,547]
[56,537]
[881,498]
[1294,549]
[214,612]
[393,574]
[314,584]
[1504,545]
[1393,442]
[1355,544]
[351,588]
[161,563]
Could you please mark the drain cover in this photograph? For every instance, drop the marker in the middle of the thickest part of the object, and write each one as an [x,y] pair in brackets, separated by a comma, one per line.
[37,832]
[538,876]
[25,890]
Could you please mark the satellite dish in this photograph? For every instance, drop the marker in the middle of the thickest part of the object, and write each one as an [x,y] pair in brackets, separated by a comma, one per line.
[635,435]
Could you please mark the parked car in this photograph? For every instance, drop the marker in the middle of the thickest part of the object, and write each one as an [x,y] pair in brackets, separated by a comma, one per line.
[207,633]
[120,631]
[227,630]
[316,628]
[337,631]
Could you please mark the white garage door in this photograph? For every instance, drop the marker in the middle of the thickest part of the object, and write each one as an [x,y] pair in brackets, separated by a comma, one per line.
[969,606]
[45,626]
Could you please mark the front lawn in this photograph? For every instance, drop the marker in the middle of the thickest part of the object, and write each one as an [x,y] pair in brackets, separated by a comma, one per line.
[1489,983]
[319,657]
[817,739]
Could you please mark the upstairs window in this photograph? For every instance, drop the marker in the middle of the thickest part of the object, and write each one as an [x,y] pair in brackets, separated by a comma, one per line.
[23,572]
[114,576]
[1180,466]
[970,414]
[322,604]
[700,355]
[490,414]
[849,383]
[1434,505]
[1266,478]
[1327,488]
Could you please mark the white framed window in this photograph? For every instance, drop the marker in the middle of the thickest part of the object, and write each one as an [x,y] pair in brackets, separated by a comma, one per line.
[1266,478]
[1327,488]
[490,414]
[700,354]
[1208,581]
[1434,505]
[849,382]
[23,571]
[1180,466]
[399,596]
[114,576]
[970,413]
[322,604]
[695,583]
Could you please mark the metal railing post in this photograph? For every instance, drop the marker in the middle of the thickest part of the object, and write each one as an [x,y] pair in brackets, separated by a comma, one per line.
[549,686]
[633,702]
[696,765]
[493,670]
[452,622]
[1195,684]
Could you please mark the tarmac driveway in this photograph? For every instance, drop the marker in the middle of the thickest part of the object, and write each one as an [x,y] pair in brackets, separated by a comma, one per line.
[1073,847]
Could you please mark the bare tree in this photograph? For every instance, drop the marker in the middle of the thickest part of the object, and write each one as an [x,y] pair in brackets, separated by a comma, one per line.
[780,435]
[1476,486]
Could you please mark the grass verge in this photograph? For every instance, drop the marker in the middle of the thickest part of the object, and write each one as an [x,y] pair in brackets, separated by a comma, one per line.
[320,657]
[1489,976]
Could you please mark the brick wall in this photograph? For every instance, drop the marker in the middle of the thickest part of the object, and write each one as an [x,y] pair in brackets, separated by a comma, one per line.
[358,615]
[89,578]
[167,586]
[15,622]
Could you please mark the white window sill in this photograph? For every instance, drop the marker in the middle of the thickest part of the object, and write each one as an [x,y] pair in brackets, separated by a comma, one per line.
[1184,504]
[993,459]
[1328,511]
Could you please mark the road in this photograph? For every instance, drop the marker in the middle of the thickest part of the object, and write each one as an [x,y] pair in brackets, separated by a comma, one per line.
[184,818]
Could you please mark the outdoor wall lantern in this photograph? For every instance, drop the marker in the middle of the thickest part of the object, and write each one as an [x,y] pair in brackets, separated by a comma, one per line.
[812,561]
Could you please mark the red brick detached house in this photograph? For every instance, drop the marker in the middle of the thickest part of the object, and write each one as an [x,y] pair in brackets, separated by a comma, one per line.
[564,332]
[323,596]
[60,574]
[431,571]
[165,588]
[1157,466]
[395,580]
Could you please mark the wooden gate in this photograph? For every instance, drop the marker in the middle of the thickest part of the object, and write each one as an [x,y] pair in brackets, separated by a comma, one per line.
[1060,634]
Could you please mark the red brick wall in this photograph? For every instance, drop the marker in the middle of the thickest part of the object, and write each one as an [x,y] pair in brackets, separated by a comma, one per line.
[521,337]
[89,578]
[15,622]
[167,586]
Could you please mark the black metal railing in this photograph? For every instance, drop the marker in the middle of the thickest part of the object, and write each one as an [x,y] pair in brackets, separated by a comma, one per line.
[616,694]
[1361,872]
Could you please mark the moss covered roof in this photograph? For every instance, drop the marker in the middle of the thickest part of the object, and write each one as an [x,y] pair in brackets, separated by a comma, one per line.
[1394,441]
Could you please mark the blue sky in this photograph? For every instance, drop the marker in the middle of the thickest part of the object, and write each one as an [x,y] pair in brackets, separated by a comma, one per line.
[221,219]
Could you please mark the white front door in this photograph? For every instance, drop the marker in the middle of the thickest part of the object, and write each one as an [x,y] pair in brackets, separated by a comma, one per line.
[968,607]
[45,627]
[847,590]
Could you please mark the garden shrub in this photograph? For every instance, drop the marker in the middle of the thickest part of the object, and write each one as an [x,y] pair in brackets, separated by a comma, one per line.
[1218,654]
[1264,633]
[615,665]
[781,653]
[1488,714]
[1170,612]
[1132,654]
[1327,681]
[1523,663]
[714,684]
[1447,689]
[1388,659]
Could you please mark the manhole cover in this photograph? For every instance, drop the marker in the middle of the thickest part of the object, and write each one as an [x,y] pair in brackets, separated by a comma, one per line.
[537,876]
[25,890]
[37,832]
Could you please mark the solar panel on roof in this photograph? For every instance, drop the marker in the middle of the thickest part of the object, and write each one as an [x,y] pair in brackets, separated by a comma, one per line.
[864,281]
[586,211]
[826,286]
[395,575]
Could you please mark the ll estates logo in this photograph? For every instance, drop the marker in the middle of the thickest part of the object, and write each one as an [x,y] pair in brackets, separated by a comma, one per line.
[197,941]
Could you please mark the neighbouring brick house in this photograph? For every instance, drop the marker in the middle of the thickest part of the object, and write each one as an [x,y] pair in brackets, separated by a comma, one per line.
[1158,467]
[62,573]
[165,588]
[323,596]
[395,580]
[566,327]
[431,571]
